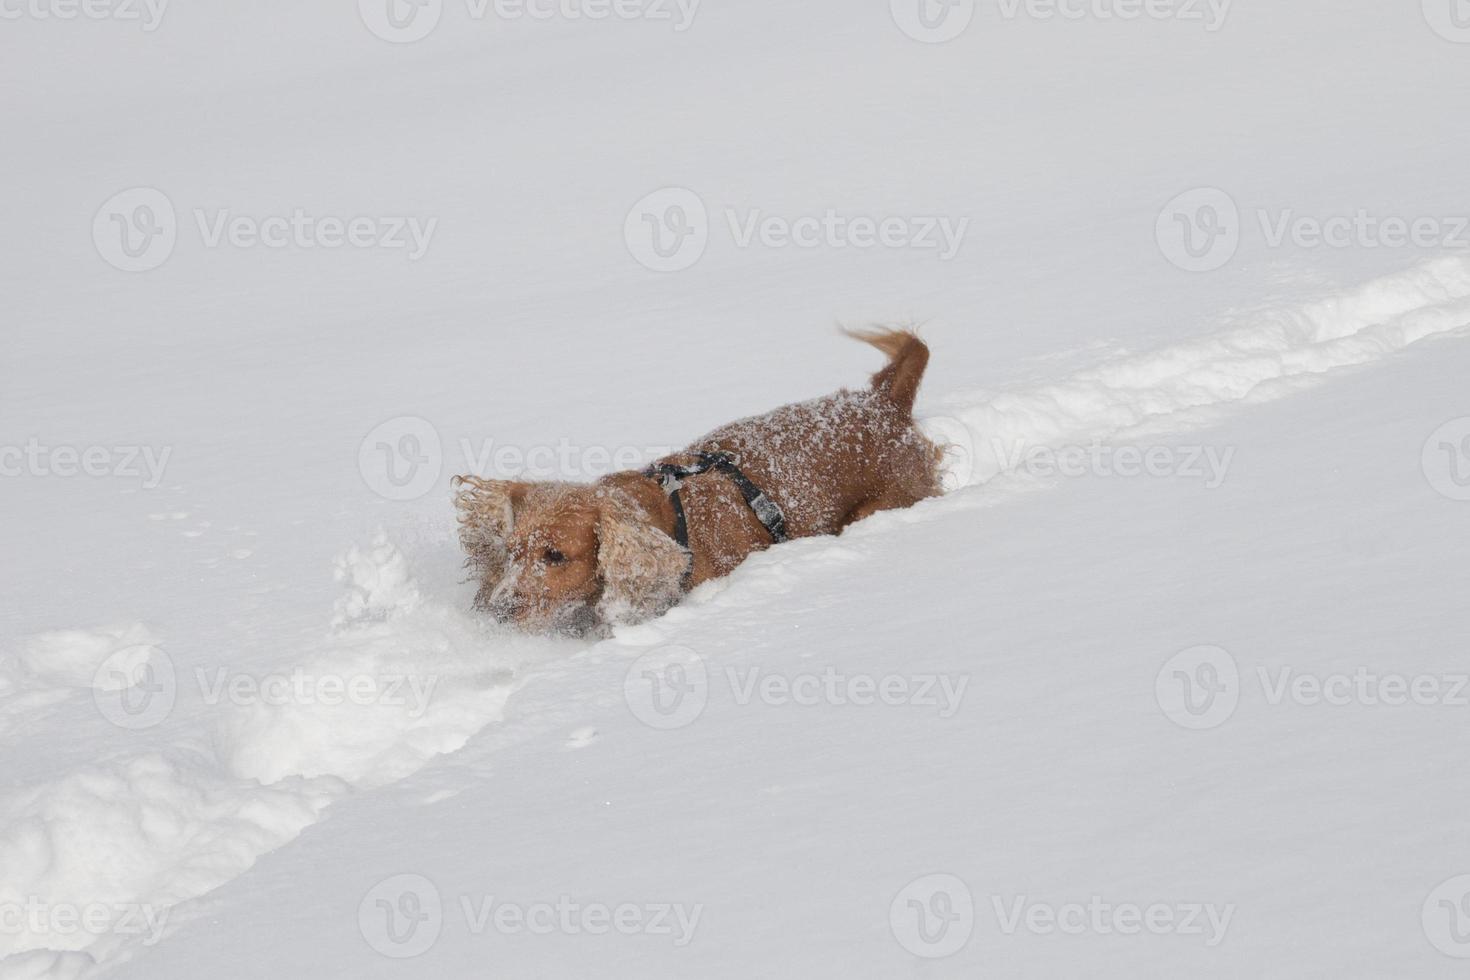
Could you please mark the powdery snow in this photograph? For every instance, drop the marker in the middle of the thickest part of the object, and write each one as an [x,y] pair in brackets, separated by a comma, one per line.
[249,727]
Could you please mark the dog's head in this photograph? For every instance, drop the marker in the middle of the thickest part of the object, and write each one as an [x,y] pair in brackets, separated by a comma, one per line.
[571,558]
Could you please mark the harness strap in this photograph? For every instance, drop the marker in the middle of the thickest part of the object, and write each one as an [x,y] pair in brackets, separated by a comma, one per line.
[681,523]
[672,475]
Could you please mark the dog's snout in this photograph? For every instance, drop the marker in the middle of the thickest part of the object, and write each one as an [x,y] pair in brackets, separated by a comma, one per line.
[503,608]
[503,603]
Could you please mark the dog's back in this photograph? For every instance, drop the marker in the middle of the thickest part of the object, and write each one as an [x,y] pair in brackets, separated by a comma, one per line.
[835,460]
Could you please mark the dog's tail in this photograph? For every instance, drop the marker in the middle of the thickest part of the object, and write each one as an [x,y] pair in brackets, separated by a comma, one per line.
[907,358]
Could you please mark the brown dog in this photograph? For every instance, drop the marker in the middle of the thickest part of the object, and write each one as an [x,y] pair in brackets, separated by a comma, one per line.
[579,557]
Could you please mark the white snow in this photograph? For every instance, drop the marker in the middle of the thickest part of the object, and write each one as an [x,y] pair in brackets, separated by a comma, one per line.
[1171,683]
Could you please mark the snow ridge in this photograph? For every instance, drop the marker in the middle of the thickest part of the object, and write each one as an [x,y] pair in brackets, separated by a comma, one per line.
[1266,353]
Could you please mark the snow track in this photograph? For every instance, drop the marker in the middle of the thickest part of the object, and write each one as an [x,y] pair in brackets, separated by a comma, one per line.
[1264,353]
[261,766]
[255,772]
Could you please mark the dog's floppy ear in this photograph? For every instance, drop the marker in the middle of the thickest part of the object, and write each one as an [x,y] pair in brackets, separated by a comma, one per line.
[486,515]
[642,568]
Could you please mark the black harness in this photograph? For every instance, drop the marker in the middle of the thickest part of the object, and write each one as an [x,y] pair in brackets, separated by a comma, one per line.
[673,475]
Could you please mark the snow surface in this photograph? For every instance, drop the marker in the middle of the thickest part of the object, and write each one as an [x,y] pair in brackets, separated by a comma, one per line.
[249,727]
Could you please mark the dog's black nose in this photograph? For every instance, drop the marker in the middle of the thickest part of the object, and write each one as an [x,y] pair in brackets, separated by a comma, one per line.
[578,620]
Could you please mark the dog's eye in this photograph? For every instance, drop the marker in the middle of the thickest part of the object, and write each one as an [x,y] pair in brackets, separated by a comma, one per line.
[554,557]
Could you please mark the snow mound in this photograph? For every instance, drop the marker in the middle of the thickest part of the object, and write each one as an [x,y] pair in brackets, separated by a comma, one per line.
[127,840]
[76,658]
[378,582]
[45,964]
[47,668]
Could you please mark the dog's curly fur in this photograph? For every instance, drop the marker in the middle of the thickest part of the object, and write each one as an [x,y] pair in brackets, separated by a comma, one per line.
[579,557]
